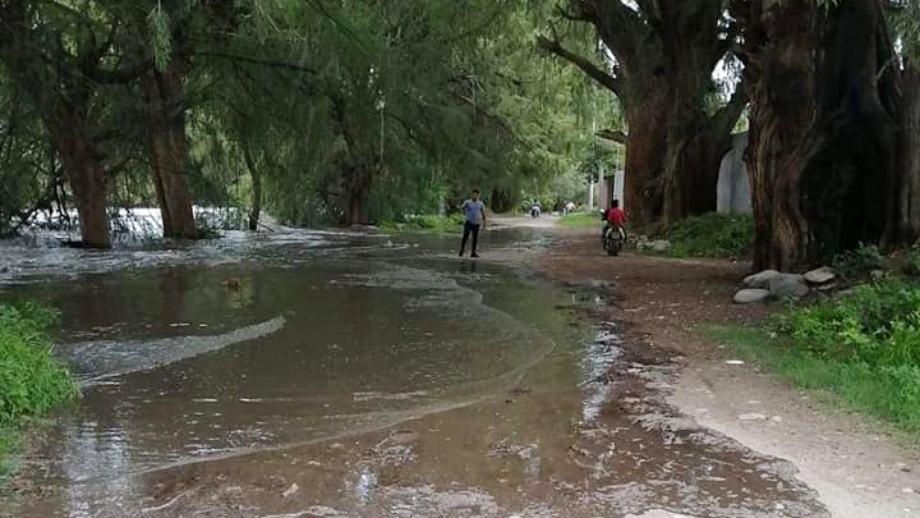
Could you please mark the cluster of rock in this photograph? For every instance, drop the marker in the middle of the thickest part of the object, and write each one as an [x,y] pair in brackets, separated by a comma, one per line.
[657,245]
[771,284]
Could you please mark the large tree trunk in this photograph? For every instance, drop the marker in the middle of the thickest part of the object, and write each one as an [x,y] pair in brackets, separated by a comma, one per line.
[665,54]
[909,196]
[643,189]
[87,180]
[691,169]
[779,71]
[824,146]
[165,97]
[357,183]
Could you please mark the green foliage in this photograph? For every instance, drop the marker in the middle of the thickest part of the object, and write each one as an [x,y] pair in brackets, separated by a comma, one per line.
[32,381]
[581,220]
[878,324]
[863,345]
[911,263]
[888,392]
[160,36]
[711,235]
[434,224]
[859,263]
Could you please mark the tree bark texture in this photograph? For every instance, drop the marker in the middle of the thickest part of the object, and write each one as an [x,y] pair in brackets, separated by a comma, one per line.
[825,154]
[665,54]
[255,209]
[164,94]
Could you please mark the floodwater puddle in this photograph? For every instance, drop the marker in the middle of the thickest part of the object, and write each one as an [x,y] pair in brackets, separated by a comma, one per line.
[340,375]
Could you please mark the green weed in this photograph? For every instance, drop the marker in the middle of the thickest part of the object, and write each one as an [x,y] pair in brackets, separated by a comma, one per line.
[450,224]
[581,220]
[863,347]
[32,381]
[859,263]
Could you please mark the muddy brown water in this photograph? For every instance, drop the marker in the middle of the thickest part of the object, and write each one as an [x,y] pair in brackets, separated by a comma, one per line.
[323,374]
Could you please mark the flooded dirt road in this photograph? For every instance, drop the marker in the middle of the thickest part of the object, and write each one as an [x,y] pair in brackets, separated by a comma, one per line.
[303,374]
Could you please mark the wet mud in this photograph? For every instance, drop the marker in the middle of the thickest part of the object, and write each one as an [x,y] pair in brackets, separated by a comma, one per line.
[371,378]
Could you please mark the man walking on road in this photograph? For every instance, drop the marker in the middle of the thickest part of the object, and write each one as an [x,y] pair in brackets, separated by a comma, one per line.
[475,212]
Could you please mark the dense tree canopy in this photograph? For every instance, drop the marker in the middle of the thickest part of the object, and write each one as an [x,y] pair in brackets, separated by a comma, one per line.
[319,111]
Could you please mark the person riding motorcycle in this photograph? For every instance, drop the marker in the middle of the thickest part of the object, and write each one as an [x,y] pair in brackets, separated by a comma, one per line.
[614,218]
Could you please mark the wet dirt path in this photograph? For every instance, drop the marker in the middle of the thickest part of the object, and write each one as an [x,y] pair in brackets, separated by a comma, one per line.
[363,377]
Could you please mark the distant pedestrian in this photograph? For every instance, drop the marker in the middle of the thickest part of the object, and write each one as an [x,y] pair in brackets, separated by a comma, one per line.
[475,213]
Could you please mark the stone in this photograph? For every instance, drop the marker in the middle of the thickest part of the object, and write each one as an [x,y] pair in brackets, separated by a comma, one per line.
[788,285]
[660,245]
[760,280]
[821,275]
[751,295]
[752,417]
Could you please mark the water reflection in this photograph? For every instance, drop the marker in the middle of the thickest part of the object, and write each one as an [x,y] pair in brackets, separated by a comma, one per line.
[599,355]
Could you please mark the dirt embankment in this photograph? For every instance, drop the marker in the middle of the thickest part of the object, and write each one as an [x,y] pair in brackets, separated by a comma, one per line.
[858,469]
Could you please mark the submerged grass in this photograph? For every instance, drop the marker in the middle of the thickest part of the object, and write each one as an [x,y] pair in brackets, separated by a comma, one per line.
[581,220]
[863,347]
[32,381]
[434,224]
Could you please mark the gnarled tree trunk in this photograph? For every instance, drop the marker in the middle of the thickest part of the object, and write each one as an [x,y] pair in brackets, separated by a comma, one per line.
[909,166]
[665,53]
[643,186]
[824,146]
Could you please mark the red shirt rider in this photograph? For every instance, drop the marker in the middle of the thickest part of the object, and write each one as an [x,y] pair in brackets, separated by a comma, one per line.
[615,215]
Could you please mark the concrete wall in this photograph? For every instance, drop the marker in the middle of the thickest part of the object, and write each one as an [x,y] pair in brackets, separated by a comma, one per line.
[611,187]
[734,189]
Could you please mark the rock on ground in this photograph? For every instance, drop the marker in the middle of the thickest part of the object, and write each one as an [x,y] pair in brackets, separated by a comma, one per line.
[761,280]
[788,285]
[751,295]
[820,275]
[660,245]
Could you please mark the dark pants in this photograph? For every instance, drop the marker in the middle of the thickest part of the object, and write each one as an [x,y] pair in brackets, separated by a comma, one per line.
[469,228]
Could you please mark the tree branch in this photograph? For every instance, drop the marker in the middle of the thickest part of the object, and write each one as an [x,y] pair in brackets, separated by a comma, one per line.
[618,136]
[256,61]
[608,81]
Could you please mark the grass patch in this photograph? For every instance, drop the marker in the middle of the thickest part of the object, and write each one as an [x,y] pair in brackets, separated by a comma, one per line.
[710,235]
[581,220]
[434,224]
[32,381]
[863,347]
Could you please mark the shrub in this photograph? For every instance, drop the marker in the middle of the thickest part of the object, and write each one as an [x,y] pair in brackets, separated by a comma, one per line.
[911,263]
[859,263]
[878,324]
[711,235]
[868,342]
[32,381]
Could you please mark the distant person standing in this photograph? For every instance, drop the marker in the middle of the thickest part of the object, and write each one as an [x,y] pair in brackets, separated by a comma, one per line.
[474,211]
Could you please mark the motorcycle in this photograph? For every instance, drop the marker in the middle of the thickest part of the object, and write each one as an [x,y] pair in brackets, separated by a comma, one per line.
[535,211]
[614,238]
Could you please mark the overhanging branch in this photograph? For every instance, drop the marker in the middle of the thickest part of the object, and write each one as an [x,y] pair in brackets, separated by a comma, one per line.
[606,80]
